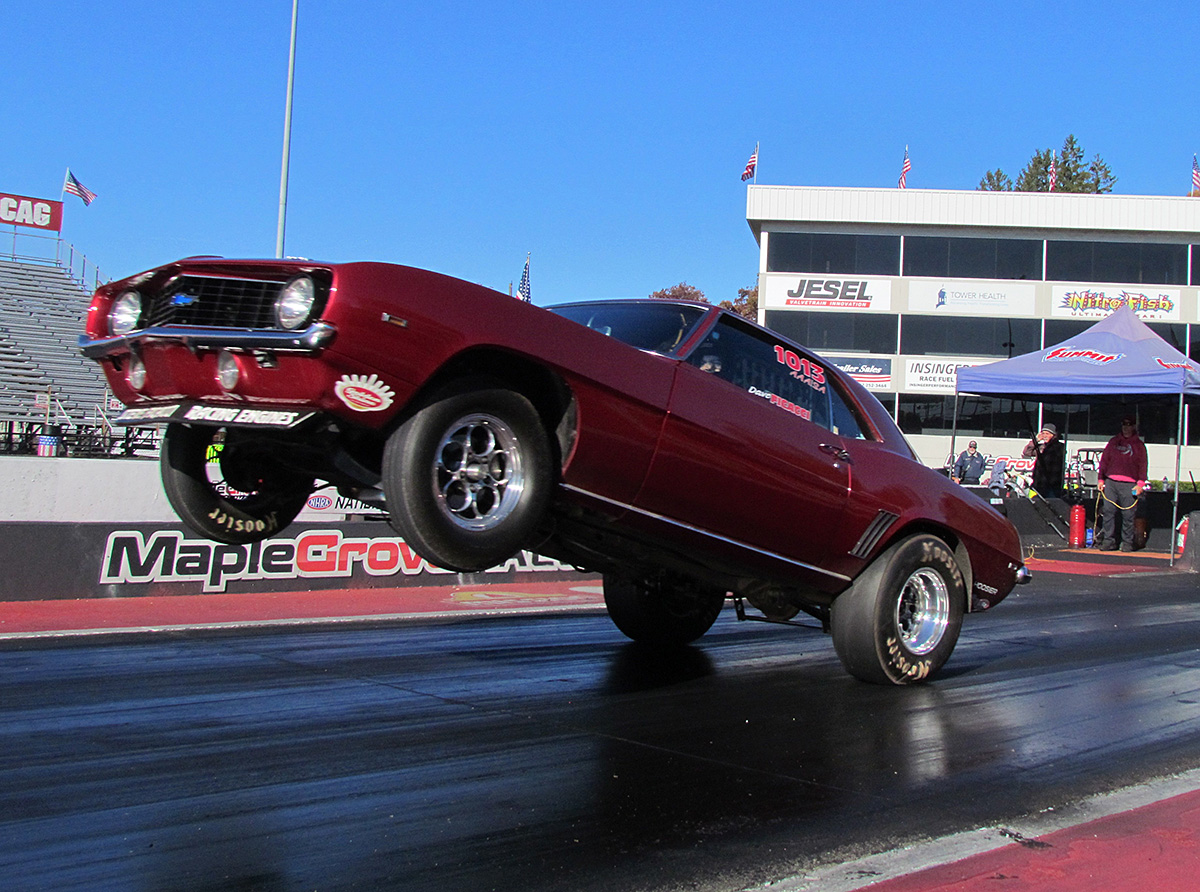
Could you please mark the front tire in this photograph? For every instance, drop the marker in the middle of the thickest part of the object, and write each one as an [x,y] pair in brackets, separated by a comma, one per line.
[659,611]
[468,478]
[898,623]
[226,486]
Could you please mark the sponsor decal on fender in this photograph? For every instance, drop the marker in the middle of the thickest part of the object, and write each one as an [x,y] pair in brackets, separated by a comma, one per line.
[166,556]
[364,394]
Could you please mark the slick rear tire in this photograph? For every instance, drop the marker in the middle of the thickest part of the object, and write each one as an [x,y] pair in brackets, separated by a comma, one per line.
[468,478]
[661,613]
[225,485]
[898,623]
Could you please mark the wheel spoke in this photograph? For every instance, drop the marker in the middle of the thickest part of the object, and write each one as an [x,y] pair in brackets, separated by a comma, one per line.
[478,471]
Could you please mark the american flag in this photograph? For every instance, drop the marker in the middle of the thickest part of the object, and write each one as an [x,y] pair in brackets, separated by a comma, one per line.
[750,165]
[523,288]
[1053,171]
[72,185]
[904,169]
[1195,173]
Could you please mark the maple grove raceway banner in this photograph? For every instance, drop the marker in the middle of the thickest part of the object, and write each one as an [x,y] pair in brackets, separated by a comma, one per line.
[51,561]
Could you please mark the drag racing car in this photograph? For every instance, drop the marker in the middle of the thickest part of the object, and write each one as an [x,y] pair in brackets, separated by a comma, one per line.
[686,454]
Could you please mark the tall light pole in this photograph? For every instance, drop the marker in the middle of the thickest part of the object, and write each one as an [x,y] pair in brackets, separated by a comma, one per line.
[287,136]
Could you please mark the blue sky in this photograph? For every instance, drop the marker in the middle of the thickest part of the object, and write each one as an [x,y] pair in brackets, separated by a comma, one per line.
[606,139]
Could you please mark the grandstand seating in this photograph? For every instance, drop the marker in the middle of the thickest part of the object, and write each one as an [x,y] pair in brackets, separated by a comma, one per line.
[41,317]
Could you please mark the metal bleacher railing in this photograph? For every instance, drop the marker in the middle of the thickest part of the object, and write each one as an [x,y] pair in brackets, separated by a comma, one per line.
[53,401]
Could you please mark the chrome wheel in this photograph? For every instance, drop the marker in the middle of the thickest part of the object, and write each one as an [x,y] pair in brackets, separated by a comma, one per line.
[923,610]
[478,472]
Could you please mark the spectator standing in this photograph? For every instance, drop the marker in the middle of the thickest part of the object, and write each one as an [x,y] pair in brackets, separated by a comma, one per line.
[1122,473]
[969,467]
[1048,455]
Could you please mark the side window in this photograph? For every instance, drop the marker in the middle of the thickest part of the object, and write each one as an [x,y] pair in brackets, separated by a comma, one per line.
[768,368]
[845,419]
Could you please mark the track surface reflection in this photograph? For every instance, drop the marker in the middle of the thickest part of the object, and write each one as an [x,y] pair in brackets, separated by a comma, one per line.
[549,753]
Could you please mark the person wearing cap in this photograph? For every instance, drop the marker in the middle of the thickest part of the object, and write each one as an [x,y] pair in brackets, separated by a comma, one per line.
[1122,473]
[1048,455]
[969,467]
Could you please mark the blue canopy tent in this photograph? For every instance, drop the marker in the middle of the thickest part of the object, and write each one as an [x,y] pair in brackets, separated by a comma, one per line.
[1117,358]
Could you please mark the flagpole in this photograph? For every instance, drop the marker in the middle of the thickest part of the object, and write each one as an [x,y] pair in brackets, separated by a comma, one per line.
[287,136]
[64,188]
[754,181]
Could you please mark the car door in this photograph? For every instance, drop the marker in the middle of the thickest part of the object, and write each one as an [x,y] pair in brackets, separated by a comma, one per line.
[746,451]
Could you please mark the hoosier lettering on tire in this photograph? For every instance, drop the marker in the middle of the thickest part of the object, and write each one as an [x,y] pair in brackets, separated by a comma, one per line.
[898,623]
[227,486]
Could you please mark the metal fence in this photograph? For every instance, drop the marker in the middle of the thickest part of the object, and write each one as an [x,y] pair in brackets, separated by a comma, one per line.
[51,250]
[81,441]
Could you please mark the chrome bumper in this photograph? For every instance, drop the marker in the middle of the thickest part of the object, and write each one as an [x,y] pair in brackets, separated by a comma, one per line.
[316,337]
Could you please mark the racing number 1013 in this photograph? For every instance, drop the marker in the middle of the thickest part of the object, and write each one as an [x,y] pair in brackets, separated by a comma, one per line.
[796,363]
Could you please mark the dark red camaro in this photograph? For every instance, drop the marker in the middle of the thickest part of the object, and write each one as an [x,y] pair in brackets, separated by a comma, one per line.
[683,452]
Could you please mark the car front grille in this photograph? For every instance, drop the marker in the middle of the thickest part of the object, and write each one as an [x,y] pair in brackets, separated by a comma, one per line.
[213,303]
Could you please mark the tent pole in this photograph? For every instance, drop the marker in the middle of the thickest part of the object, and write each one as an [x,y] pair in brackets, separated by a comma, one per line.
[954,435]
[1175,500]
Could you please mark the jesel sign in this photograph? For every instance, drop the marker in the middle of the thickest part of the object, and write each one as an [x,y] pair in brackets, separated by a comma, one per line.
[40,213]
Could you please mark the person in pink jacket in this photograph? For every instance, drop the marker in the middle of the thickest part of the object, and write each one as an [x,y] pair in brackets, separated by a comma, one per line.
[1122,474]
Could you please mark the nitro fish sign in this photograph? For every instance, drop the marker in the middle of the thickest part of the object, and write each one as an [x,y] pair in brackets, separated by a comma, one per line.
[1097,301]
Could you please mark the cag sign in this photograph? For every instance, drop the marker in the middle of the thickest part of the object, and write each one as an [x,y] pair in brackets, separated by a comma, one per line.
[40,213]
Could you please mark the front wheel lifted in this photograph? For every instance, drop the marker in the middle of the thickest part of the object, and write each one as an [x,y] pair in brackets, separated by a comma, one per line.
[226,485]
[660,611]
[468,478]
[898,623]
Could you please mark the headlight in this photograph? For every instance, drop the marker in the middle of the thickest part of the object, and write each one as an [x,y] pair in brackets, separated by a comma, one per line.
[227,370]
[137,373]
[295,302]
[124,312]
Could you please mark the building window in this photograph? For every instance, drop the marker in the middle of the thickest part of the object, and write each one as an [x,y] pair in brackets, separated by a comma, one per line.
[978,416]
[972,258]
[1119,262]
[836,332]
[1060,330]
[968,336]
[804,252]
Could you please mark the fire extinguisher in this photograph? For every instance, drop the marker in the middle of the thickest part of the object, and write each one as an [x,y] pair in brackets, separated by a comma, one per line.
[1078,531]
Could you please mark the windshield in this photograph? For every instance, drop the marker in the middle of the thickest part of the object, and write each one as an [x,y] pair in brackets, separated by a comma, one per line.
[659,327]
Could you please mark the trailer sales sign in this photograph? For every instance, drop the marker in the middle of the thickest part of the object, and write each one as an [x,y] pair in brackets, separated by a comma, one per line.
[40,213]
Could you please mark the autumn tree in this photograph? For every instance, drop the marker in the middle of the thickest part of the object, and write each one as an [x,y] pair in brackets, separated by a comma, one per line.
[1072,172]
[746,304]
[682,291]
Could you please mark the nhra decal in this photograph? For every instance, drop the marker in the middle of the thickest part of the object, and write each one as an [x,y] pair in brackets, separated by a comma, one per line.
[364,394]
[1093,357]
[166,556]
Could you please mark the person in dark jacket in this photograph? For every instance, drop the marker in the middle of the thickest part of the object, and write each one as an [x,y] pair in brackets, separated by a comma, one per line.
[1048,455]
[1122,473]
[969,467]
